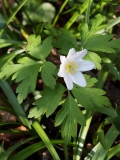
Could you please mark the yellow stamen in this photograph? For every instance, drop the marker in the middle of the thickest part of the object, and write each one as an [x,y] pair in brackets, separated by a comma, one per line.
[71,67]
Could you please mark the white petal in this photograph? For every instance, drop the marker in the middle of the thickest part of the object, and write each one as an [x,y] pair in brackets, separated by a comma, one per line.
[68,82]
[71,53]
[62,72]
[85,65]
[79,79]
[62,59]
[81,54]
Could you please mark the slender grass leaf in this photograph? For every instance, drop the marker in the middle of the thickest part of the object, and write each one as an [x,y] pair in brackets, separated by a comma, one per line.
[113,151]
[14,103]
[111,67]
[46,140]
[102,138]
[99,152]
[2,151]
[7,153]
[7,123]
[25,153]
[6,42]
[113,23]
[4,60]
[9,110]
[118,111]
[15,131]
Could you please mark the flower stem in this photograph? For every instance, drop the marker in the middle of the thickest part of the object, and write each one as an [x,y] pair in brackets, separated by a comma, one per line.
[82,134]
[77,13]
[60,11]
[12,16]
[45,139]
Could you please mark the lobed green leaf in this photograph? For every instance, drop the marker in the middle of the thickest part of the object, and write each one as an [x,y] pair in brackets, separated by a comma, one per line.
[65,41]
[91,98]
[67,116]
[25,72]
[48,102]
[91,56]
[48,72]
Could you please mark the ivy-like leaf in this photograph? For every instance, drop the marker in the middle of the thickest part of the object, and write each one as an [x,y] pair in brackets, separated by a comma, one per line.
[25,72]
[48,72]
[91,56]
[91,98]
[48,102]
[67,116]
[65,41]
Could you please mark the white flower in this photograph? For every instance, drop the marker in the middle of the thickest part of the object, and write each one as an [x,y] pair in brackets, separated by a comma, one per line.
[72,66]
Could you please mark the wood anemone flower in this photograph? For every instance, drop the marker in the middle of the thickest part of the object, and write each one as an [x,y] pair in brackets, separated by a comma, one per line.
[72,66]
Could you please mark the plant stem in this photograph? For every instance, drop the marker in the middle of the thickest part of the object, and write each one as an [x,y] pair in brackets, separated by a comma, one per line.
[74,143]
[45,139]
[13,15]
[14,103]
[82,134]
[77,13]
[60,11]
[88,12]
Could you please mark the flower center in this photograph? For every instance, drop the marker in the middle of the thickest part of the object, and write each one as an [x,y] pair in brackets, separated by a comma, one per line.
[71,67]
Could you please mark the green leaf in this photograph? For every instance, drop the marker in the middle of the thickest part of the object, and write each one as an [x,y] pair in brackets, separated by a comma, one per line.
[93,40]
[111,67]
[46,48]
[26,72]
[91,98]
[37,50]
[101,138]
[91,56]
[31,149]
[65,41]
[84,30]
[2,149]
[33,47]
[48,72]
[14,103]
[98,152]
[90,81]
[7,153]
[6,42]
[114,43]
[67,116]
[99,43]
[4,60]
[96,26]
[48,102]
